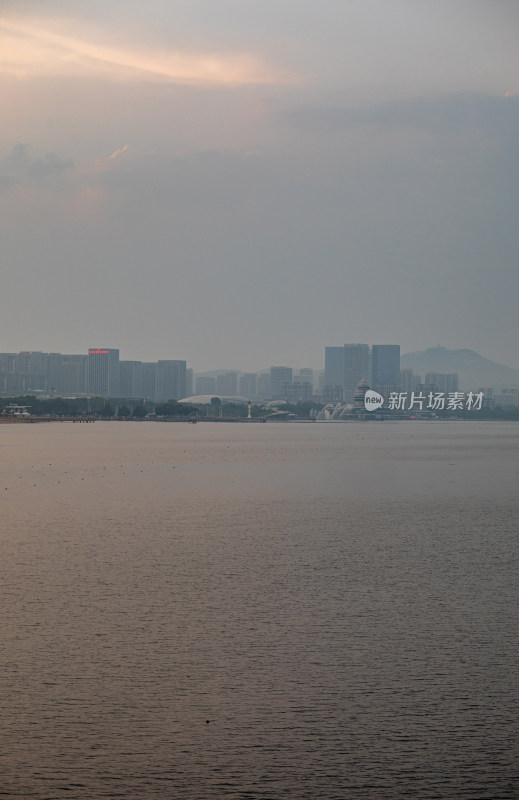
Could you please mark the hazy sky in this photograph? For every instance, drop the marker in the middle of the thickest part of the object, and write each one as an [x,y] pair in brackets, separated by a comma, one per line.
[242,182]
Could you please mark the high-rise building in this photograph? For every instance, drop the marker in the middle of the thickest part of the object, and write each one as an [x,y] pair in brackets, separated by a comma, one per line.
[205,384]
[334,366]
[248,385]
[264,386]
[279,376]
[297,392]
[103,371]
[227,383]
[305,375]
[13,383]
[357,367]
[8,362]
[507,398]
[34,365]
[130,379]
[331,394]
[67,374]
[149,380]
[189,382]
[445,382]
[385,365]
[170,382]
[409,381]
[334,372]
[34,371]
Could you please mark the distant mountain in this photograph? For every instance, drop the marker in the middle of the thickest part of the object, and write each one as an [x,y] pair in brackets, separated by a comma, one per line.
[474,370]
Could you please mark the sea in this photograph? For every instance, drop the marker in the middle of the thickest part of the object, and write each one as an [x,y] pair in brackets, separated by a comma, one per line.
[244,611]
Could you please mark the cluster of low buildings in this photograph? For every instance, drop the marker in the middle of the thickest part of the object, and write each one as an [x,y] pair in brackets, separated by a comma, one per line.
[279,383]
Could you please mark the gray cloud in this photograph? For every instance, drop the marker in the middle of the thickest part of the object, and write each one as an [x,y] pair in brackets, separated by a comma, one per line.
[494,115]
[50,164]
[20,165]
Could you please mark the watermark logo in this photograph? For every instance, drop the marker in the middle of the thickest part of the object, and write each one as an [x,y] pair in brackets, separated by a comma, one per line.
[432,401]
[436,401]
[373,400]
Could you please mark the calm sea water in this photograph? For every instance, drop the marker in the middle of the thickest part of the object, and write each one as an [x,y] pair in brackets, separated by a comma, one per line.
[220,611]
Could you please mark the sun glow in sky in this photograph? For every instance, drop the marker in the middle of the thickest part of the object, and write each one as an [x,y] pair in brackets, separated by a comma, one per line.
[30,50]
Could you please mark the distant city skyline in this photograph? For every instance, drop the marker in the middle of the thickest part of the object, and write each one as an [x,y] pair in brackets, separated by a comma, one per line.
[226,367]
[101,372]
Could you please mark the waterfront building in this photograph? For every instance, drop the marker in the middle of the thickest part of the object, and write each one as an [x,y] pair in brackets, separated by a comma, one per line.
[357,367]
[334,372]
[205,384]
[296,392]
[149,380]
[387,389]
[425,389]
[249,384]
[67,374]
[278,377]
[34,366]
[507,398]
[34,371]
[189,381]
[12,384]
[103,371]
[8,362]
[130,379]
[227,383]
[305,375]
[264,386]
[385,365]
[444,382]
[170,383]
[332,394]
[409,381]
[99,373]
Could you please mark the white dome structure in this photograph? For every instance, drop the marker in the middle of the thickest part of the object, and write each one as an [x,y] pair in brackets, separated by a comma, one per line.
[205,399]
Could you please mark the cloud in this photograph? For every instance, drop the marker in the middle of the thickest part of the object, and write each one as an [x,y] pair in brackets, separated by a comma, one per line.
[20,166]
[119,152]
[38,48]
[442,112]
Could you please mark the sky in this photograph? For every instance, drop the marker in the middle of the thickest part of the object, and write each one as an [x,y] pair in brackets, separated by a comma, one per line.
[239,183]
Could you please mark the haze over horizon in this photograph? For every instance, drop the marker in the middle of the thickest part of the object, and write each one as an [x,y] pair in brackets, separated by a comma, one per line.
[240,186]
